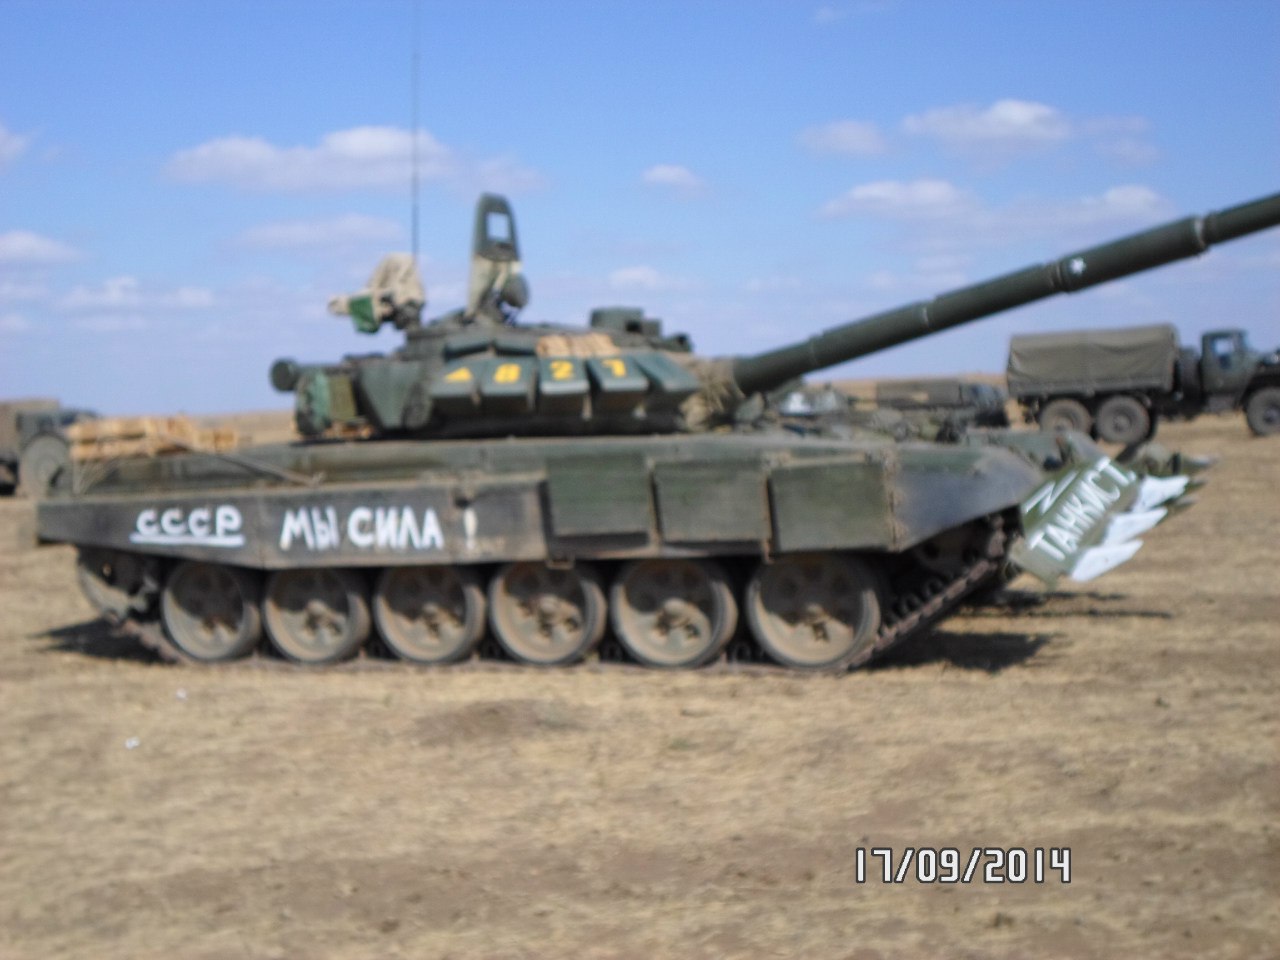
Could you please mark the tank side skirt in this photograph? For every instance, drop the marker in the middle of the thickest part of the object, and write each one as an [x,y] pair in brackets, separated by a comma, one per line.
[788,506]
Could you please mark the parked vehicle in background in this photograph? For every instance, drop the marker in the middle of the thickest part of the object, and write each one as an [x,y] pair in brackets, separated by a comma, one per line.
[1117,384]
[976,403]
[33,444]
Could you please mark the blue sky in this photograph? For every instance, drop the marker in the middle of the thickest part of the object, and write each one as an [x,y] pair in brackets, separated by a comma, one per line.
[183,184]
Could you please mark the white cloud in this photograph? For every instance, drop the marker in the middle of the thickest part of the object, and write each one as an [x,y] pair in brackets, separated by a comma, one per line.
[672,176]
[1010,126]
[111,323]
[378,158]
[14,323]
[829,14]
[12,145]
[362,157]
[14,291]
[946,225]
[644,278]
[507,175]
[1117,208]
[849,137]
[115,292]
[896,198]
[189,298]
[1123,203]
[773,284]
[23,246]
[128,294]
[1129,151]
[635,278]
[349,230]
[1005,121]
[1130,126]
[940,272]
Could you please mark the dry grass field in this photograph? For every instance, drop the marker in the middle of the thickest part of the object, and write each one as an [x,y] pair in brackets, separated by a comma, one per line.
[381,811]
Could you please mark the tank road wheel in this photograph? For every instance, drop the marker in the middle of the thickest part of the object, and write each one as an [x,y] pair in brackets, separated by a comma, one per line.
[430,614]
[316,615]
[43,465]
[673,613]
[210,612]
[1263,412]
[545,616]
[1123,419]
[1065,414]
[814,611]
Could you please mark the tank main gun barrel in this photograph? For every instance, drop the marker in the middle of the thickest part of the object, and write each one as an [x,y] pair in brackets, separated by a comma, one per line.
[1109,261]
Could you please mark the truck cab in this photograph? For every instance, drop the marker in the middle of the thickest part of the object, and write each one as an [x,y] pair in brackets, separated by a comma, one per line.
[1227,366]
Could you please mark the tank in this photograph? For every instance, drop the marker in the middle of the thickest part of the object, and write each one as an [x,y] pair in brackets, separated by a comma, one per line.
[550,487]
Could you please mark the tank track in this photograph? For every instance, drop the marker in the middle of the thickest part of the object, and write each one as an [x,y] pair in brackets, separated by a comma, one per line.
[906,615]
[909,615]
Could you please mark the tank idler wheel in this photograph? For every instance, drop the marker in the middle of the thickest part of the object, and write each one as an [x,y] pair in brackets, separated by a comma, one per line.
[673,612]
[1263,412]
[1065,414]
[1123,419]
[318,615]
[118,584]
[814,611]
[430,614]
[210,612]
[544,616]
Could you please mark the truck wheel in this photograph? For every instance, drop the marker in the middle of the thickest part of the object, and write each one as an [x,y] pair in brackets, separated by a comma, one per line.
[1123,419]
[1065,414]
[1263,412]
[44,464]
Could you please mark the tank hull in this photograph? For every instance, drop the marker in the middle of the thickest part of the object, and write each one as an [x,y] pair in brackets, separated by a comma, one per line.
[476,502]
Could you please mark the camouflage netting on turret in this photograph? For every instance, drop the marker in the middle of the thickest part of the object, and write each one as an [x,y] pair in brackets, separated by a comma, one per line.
[717,396]
[394,293]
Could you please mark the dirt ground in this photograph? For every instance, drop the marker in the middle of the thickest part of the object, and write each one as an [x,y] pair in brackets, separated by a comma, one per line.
[382,811]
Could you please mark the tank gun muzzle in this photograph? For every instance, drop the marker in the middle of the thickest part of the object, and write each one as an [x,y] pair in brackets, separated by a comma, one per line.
[1077,271]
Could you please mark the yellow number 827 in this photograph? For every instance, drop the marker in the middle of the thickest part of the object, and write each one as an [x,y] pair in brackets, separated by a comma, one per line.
[507,373]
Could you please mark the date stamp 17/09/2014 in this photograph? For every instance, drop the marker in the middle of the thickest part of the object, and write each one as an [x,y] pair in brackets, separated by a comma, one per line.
[951,865]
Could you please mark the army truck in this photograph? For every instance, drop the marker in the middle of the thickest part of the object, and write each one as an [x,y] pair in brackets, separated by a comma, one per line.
[1118,384]
[33,444]
[548,483]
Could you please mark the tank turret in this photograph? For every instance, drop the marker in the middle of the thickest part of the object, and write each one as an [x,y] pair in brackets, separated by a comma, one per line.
[477,372]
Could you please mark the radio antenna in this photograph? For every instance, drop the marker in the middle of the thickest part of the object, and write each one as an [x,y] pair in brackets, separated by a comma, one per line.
[413,149]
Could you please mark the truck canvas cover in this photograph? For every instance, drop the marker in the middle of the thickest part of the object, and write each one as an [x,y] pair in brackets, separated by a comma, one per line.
[1089,361]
